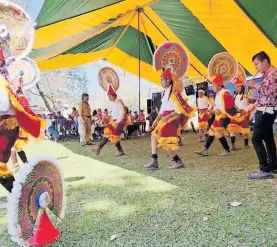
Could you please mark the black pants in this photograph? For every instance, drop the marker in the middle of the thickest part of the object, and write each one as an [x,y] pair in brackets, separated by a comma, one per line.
[263,141]
[131,129]
[143,126]
[211,120]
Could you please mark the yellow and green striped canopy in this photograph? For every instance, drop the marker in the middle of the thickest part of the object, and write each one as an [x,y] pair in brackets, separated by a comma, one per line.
[75,32]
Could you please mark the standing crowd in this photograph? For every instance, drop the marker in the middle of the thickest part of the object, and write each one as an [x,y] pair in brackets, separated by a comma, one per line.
[89,124]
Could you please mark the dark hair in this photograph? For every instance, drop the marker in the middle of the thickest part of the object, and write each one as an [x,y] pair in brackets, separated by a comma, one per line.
[84,95]
[261,56]
[94,113]
[242,92]
[141,111]
[74,109]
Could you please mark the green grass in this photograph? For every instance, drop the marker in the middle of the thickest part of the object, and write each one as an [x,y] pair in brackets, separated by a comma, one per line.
[165,208]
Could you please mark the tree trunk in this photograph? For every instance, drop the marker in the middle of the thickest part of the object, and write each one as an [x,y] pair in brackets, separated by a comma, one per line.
[44,99]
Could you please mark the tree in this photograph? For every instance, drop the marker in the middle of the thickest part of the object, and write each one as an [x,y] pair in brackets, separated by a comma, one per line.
[63,85]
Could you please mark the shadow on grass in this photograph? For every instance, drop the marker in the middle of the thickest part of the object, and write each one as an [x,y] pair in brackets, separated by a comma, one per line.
[73,179]
[138,216]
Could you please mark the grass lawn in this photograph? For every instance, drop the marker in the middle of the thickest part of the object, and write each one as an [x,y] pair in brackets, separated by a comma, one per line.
[115,202]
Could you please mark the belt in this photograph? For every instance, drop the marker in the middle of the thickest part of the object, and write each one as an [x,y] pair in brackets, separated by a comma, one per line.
[87,116]
[5,117]
[267,109]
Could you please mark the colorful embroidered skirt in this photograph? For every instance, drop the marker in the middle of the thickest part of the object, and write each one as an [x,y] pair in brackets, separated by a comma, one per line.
[219,125]
[168,133]
[9,131]
[113,131]
[240,124]
[203,118]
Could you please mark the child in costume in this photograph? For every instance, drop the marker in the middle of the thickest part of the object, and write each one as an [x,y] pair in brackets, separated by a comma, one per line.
[116,125]
[224,107]
[241,124]
[173,115]
[204,105]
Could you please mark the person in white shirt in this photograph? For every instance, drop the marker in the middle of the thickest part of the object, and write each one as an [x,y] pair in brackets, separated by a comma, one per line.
[241,125]
[116,125]
[204,105]
[174,113]
[224,107]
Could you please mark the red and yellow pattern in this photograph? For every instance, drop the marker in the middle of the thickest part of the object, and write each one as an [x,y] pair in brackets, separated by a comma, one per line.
[167,133]
[22,140]
[228,110]
[181,104]
[203,118]
[241,123]
[113,131]
[24,119]
[8,137]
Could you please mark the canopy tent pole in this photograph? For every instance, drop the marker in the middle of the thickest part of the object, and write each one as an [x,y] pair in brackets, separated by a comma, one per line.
[139,10]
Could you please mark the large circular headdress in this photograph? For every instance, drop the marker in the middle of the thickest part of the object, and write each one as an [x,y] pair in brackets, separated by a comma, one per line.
[225,64]
[241,76]
[171,55]
[19,27]
[38,185]
[25,69]
[108,76]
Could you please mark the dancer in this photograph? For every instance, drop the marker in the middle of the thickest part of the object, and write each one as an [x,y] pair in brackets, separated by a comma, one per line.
[23,135]
[204,105]
[13,116]
[241,124]
[174,113]
[224,107]
[116,125]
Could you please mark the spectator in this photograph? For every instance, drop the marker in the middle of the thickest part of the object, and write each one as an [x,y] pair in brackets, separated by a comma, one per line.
[85,121]
[99,113]
[211,97]
[136,121]
[51,127]
[142,121]
[66,112]
[130,118]
[97,125]
[131,127]
[105,117]
[74,116]
[152,116]
[136,117]
[60,122]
